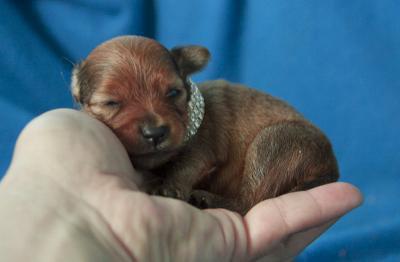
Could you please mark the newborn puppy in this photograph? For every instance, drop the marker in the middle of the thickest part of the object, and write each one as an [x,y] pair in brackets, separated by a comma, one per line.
[216,145]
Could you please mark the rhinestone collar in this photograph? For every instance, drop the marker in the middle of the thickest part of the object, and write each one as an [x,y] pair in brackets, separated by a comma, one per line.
[195,111]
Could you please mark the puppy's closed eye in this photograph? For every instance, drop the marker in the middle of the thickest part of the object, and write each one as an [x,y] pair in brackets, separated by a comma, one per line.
[111,104]
[104,105]
[174,93]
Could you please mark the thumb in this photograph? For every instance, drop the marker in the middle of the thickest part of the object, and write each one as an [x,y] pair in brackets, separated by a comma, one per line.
[273,220]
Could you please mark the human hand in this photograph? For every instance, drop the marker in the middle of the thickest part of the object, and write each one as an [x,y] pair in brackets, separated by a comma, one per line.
[71,194]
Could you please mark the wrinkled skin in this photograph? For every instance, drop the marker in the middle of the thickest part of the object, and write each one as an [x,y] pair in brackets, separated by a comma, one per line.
[71,194]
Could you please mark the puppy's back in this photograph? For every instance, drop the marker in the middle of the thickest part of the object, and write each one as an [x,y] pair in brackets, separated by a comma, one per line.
[245,109]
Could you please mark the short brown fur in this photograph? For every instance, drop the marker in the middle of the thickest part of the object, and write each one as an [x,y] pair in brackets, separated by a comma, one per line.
[249,147]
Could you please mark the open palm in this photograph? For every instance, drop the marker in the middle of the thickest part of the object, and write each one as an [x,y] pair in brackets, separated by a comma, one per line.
[88,206]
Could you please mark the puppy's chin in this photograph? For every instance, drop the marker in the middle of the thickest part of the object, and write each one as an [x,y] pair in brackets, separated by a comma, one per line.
[151,160]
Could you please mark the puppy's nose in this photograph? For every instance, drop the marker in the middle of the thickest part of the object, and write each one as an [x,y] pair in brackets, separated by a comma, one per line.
[155,134]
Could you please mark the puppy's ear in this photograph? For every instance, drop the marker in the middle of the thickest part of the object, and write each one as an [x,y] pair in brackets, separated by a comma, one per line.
[76,82]
[190,59]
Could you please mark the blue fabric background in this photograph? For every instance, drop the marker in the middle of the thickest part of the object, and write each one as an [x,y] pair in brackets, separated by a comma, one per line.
[337,61]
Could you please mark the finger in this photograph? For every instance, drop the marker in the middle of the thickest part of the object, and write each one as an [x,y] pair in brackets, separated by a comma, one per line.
[234,234]
[275,219]
[71,148]
[292,246]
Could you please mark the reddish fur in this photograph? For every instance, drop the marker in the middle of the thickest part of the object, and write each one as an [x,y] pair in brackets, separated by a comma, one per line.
[249,147]
[127,71]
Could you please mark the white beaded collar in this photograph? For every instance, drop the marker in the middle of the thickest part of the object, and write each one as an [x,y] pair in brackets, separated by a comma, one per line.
[195,110]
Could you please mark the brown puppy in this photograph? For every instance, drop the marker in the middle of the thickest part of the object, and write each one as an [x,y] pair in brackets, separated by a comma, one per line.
[233,149]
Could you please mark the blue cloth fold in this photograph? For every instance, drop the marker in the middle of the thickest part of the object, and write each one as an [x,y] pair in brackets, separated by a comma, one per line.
[337,61]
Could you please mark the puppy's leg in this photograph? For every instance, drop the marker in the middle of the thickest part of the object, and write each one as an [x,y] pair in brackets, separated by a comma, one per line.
[203,199]
[286,157]
[180,176]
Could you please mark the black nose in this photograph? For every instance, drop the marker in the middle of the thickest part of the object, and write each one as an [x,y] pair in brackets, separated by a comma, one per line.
[155,134]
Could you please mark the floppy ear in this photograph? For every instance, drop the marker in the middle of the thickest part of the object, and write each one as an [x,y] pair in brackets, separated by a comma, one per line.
[190,59]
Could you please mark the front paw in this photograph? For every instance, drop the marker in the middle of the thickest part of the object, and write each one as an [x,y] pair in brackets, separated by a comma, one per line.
[201,199]
[169,191]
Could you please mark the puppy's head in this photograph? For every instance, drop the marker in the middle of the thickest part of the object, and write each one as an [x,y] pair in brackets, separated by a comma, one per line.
[139,89]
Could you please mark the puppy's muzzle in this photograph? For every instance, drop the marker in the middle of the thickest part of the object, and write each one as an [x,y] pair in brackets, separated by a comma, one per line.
[155,135]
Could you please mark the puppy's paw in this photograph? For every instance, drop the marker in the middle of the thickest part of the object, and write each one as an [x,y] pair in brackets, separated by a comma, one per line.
[201,199]
[169,191]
